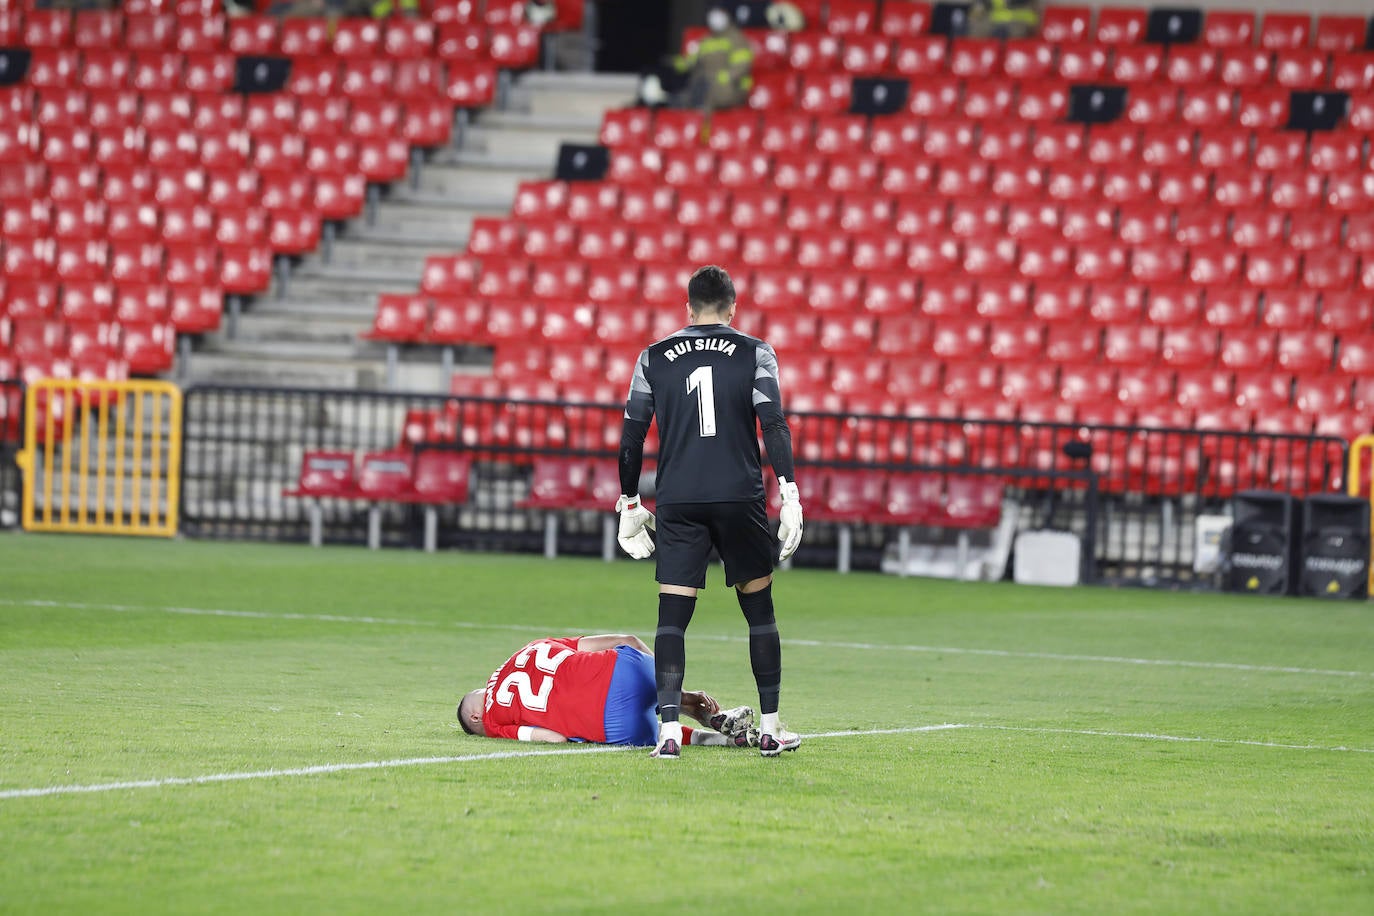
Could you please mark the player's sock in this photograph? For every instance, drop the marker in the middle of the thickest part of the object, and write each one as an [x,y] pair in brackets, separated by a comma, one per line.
[765,649]
[670,652]
[673,730]
[702,736]
[769,724]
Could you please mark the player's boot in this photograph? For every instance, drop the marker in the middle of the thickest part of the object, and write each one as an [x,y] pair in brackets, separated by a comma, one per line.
[774,744]
[667,749]
[732,722]
[747,738]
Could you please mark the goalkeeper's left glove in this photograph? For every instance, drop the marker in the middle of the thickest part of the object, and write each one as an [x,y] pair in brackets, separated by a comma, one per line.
[635,524]
[790,519]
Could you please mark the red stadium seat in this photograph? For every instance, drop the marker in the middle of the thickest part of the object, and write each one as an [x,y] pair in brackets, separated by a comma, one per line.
[1336,151]
[890,294]
[1329,270]
[1073,345]
[903,19]
[471,84]
[1305,351]
[1224,148]
[625,127]
[1230,307]
[1130,345]
[1296,190]
[934,97]
[209,72]
[836,291]
[825,93]
[246,268]
[1353,72]
[1243,68]
[1289,309]
[1141,63]
[1343,312]
[1273,268]
[1200,225]
[148,349]
[1337,34]
[988,99]
[974,59]
[252,35]
[1028,58]
[1208,107]
[1262,108]
[304,37]
[865,55]
[1237,189]
[1356,359]
[1281,31]
[457,321]
[1043,101]
[1120,25]
[1247,350]
[1191,65]
[1228,29]
[1082,63]
[1032,220]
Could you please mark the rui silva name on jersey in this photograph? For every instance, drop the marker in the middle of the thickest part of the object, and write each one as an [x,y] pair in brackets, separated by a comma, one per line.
[699,343]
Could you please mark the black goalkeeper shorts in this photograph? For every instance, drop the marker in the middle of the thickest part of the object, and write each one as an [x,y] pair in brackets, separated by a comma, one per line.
[738,531]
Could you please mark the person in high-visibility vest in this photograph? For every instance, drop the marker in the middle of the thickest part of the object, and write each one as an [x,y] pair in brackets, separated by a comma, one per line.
[1004,18]
[720,70]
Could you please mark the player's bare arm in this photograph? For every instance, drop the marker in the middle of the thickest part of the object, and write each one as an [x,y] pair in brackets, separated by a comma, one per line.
[610,641]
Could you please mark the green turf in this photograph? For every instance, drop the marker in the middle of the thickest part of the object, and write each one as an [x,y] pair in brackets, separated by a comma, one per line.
[110,670]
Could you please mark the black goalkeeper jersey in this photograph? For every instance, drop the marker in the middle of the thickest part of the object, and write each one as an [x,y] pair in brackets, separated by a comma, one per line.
[711,388]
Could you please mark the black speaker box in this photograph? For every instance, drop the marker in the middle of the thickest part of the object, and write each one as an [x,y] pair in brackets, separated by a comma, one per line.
[14,65]
[1335,547]
[1173,25]
[1263,542]
[1096,104]
[1317,110]
[261,74]
[577,162]
[949,19]
[877,96]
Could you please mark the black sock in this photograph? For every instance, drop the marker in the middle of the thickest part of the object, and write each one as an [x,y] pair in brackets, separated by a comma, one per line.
[765,650]
[670,652]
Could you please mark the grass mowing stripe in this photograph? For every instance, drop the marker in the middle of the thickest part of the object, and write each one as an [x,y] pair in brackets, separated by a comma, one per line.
[328,768]
[800,643]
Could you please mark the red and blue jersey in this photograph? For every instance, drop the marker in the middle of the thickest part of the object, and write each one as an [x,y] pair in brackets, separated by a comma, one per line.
[549,684]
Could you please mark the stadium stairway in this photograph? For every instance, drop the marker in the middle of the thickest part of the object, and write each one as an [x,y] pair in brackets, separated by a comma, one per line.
[308,333]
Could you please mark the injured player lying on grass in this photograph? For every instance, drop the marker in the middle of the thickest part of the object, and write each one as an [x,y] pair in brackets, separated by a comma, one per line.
[597,689]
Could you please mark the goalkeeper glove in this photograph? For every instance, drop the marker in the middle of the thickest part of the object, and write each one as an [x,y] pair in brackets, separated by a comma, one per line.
[790,522]
[635,524]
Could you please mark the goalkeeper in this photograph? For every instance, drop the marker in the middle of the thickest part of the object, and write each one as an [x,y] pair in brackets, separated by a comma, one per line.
[709,385]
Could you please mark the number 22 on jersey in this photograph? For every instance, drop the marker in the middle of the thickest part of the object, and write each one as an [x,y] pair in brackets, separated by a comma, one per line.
[546,660]
[703,383]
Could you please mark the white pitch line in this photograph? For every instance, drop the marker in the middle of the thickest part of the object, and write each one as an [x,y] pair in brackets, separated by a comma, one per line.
[802,643]
[329,768]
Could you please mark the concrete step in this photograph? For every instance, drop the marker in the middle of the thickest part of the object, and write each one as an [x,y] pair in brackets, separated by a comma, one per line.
[475,183]
[572,94]
[300,370]
[561,122]
[267,332]
[357,255]
[376,278]
[525,144]
[359,312]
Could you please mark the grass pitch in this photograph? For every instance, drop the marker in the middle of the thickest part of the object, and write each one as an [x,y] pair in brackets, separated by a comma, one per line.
[1110,751]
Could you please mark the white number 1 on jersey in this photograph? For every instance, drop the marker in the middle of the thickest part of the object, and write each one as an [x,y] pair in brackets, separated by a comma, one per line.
[704,385]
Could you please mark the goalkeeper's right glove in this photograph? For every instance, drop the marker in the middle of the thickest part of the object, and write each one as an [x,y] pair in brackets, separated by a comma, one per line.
[635,524]
[790,522]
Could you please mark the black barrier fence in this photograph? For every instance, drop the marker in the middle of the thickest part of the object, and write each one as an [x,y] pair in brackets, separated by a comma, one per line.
[1133,495]
[11,438]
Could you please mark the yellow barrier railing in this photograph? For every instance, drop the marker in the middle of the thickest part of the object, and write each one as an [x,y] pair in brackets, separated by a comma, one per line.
[102,457]
[1358,483]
